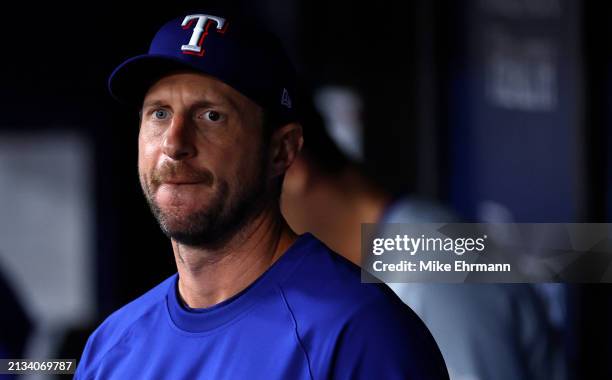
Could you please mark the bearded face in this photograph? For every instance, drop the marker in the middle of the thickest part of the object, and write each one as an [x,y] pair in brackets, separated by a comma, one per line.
[202,158]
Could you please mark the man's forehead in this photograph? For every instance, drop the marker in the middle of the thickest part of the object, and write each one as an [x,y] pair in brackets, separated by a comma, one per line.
[195,86]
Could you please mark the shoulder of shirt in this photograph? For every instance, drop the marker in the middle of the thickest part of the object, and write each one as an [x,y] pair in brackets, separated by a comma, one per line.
[119,323]
[331,307]
[327,285]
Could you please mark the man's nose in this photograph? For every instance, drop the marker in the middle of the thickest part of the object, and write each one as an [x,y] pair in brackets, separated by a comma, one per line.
[178,142]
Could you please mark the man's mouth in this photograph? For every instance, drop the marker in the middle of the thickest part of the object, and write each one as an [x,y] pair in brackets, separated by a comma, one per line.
[170,175]
[180,182]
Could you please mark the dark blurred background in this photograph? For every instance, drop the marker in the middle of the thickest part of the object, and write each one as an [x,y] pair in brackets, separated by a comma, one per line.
[499,109]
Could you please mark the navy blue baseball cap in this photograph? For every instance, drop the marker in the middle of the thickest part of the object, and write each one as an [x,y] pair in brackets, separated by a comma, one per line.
[239,53]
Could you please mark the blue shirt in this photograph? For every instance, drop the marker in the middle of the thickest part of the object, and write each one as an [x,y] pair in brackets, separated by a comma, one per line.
[307,317]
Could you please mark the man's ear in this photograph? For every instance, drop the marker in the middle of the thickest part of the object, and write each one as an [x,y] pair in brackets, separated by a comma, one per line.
[285,144]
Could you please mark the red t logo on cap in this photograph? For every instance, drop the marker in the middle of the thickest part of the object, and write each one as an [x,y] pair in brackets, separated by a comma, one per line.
[200,31]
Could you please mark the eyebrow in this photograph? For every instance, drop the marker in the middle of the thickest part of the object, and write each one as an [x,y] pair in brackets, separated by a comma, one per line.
[207,104]
[198,104]
[155,103]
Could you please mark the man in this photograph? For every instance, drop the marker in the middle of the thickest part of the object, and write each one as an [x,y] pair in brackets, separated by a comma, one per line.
[484,331]
[251,299]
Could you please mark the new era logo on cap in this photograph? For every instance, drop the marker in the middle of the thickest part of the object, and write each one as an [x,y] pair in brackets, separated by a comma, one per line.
[286,99]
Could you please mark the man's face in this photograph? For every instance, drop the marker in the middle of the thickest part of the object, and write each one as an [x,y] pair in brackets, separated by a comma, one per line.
[202,158]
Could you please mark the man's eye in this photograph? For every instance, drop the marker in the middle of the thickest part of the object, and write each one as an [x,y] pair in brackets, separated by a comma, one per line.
[212,116]
[160,114]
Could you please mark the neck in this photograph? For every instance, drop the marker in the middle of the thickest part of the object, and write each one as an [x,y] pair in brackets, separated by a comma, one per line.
[210,276]
[364,203]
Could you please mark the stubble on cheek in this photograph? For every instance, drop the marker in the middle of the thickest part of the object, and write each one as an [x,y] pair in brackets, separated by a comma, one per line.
[145,186]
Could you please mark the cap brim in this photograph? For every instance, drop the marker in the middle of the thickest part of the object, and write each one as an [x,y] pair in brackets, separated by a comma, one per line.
[130,81]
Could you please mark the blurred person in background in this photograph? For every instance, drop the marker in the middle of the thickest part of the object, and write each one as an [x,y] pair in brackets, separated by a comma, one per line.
[485,331]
